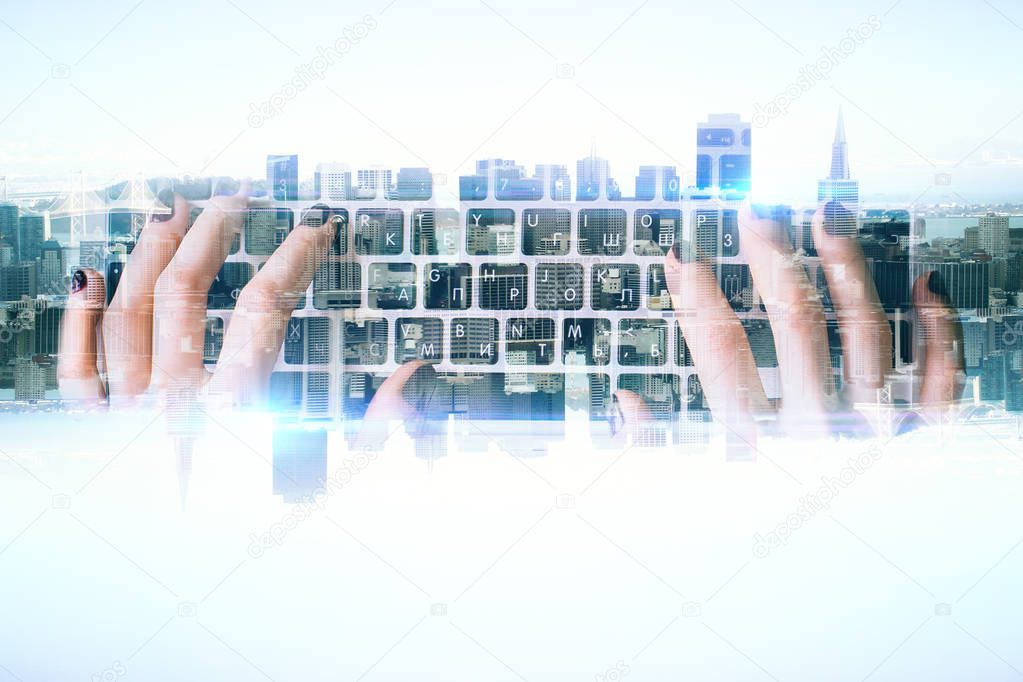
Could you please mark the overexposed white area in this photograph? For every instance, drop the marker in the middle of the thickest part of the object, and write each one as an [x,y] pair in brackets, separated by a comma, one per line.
[579,565]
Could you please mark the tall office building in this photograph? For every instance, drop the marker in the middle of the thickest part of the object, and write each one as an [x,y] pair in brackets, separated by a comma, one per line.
[414,184]
[52,265]
[657,182]
[558,181]
[373,183]
[993,234]
[33,234]
[593,179]
[333,181]
[723,153]
[838,192]
[17,281]
[10,229]
[282,174]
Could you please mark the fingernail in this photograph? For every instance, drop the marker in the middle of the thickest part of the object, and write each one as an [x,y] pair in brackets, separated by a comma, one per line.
[316,215]
[78,281]
[682,251]
[166,197]
[420,387]
[838,221]
[762,211]
[936,284]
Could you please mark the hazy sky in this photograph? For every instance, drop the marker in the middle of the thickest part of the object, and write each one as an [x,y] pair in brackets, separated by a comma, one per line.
[124,86]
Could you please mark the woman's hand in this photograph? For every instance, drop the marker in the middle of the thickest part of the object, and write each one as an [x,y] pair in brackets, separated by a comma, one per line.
[154,329]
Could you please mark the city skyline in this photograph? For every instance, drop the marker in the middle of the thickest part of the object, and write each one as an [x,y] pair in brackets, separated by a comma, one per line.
[547,81]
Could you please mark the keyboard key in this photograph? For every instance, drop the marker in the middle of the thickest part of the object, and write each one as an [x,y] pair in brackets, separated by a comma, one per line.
[213,339]
[364,342]
[509,187]
[656,231]
[532,396]
[529,341]
[614,287]
[448,286]
[490,231]
[266,229]
[418,338]
[546,231]
[736,284]
[113,277]
[392,286]
[337,285]
[602,231]
[379,231]
[472,187]
[683,356]
[473,341]
[642,343]
[695,400]
[435,232]
[717,233]
[228,285]
[307,341]
[704,170]
[503,287]
[735,172]
[715,137]
[342,237]
[559,286]
[303,393]
[657,295]
[661,392]
[586,341]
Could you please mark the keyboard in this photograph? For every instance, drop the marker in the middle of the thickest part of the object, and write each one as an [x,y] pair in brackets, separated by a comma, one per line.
[525,306]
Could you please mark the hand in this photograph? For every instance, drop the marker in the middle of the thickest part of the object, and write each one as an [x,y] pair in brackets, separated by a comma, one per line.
[810,405]
[152,334]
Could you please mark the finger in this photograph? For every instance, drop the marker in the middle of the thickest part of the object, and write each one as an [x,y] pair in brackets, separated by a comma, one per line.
[391,402]
[796,316]
[940,342]
[256,331]
[179,298]
[863,325]
[77,372]
[128,323]
[721,352]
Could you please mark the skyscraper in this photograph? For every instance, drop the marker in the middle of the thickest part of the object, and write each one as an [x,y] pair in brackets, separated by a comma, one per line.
[282,174]
[839,194]
[9,229]
[723,153]
[33,234]
[993,234]
[591,175]
[333,181]
[657,179]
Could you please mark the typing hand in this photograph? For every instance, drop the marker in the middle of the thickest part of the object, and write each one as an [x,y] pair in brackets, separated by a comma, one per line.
[154,328]
[810,405]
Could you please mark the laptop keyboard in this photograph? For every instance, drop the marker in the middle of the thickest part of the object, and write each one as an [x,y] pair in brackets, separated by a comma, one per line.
[518,304]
